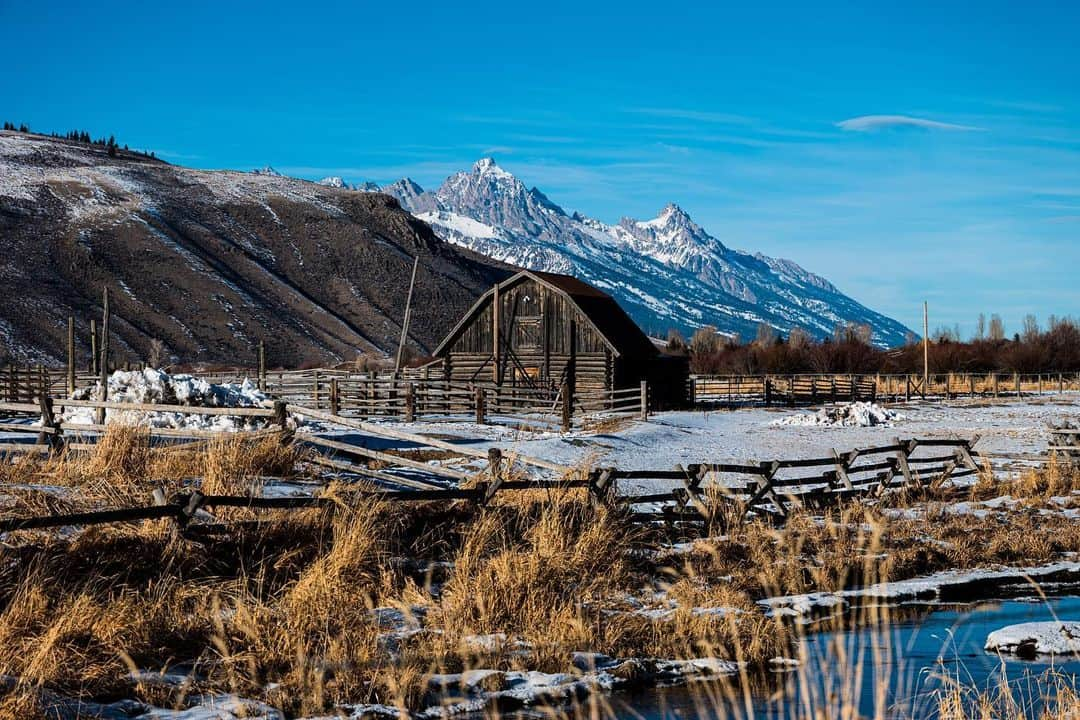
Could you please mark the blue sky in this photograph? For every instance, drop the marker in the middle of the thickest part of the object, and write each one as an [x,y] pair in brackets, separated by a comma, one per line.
[906,152]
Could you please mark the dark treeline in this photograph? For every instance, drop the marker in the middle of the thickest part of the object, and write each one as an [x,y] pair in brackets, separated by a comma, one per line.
[1053,349]
[81,136]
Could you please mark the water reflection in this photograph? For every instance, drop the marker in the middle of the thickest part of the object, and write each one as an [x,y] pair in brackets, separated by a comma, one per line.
[901,668]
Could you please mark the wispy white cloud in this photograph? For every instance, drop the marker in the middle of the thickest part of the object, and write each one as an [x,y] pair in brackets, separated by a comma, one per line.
[695,115]
[867,123]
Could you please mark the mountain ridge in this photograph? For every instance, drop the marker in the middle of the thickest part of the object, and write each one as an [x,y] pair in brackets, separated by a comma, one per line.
[666,272]
[212,262]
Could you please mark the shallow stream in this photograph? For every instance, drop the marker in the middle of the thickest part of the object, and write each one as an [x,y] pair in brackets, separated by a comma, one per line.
[904,670]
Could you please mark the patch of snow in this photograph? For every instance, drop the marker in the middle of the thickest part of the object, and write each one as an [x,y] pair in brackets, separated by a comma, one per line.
[856,414]
[924,588]
[459,224]
[156,387]
[1036,638]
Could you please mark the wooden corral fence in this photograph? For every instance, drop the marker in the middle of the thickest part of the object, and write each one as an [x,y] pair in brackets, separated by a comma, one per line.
[709,492]
[419,395]
[25,383]
[51,434]
[807,389]
[774,487]
[1065,441]
[411,395]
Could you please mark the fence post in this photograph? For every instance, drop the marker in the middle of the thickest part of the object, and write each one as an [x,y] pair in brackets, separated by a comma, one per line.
[645,400]
[995,385]
[335,405]
[971,385]
[93,347]
[902,453]
[478,404]
[601,485]
[1017,379]
[71,356]
[1061,384]
[281,419]
[768,391]
[567,407]
[495,473]
[262,366]
[315,388]
[103,370]
[410,402]
[50,429]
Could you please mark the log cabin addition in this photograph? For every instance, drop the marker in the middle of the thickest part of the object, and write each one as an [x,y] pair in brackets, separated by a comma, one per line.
[538,330]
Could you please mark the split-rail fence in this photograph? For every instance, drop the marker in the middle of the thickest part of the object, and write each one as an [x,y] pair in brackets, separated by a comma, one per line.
[704,491]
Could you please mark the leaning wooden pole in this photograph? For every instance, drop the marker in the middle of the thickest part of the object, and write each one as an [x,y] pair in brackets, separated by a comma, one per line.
[405,321]
[496,307]
[104,363]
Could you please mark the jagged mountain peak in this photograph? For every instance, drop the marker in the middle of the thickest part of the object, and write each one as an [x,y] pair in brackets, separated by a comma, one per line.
[666,272]
[488,166]
[267,170]
[672,214]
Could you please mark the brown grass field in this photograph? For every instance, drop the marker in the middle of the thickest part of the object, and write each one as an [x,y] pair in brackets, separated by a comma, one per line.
[280,606]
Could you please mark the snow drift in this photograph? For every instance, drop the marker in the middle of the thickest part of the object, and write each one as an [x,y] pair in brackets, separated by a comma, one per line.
[856,414]
[160,388]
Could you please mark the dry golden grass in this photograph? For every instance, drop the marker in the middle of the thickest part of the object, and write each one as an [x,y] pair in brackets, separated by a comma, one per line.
[282,609]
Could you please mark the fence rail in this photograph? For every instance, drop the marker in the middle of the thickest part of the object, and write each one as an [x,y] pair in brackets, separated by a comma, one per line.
[807,389]
[708,492]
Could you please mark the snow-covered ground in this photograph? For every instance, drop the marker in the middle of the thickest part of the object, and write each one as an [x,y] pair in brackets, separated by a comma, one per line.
[924,589]
[753,434]
[1036,638]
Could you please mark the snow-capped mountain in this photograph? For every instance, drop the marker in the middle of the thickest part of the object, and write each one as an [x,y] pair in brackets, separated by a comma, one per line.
[667,272]
[335,181]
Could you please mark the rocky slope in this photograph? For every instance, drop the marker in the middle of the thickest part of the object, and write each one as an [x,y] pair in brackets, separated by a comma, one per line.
[666,272]
[210,263]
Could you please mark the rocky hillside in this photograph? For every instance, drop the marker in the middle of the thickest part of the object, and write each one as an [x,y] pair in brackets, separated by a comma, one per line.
[666,272]
[210,263]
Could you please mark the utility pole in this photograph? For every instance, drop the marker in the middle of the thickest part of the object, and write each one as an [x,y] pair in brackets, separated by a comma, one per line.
[405,322]
[925,349]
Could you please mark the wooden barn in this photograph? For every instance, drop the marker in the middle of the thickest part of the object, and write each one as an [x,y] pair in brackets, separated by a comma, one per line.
[539,330]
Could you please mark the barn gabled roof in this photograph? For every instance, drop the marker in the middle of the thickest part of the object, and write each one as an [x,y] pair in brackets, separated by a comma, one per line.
[608,319]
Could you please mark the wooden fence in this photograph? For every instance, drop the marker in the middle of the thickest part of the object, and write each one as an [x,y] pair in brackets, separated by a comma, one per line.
[25,383]
[709,492]
[417,396]
[55,435]
[740,390]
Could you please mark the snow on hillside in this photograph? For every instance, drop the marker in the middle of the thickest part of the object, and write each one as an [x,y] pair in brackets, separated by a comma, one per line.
[666,272]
